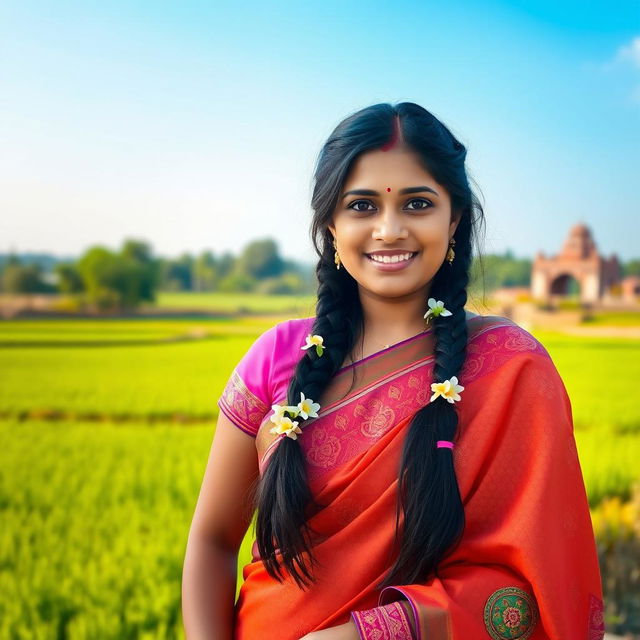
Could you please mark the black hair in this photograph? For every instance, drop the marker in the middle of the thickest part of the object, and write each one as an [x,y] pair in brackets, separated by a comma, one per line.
[428,494]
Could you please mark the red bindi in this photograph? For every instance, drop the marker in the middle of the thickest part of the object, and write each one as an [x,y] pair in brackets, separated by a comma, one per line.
[388,188]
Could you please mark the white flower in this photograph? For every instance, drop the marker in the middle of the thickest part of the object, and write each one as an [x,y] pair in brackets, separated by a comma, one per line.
[278,412]
[307,407]
[314,340]
[449,389]
[436,308]
[287,427]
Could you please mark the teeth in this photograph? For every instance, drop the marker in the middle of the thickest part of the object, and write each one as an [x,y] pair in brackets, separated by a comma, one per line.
[398,258]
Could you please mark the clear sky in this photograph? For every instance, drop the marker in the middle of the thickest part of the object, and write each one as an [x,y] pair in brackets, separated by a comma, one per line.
[196,125]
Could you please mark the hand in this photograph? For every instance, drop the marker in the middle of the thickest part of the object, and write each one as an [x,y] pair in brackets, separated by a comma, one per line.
[345,631]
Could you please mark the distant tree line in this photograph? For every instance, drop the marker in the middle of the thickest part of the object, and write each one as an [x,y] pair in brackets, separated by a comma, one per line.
[132,275]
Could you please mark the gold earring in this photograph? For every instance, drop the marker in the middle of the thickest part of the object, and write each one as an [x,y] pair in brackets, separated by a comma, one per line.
[451,254]
[336,257]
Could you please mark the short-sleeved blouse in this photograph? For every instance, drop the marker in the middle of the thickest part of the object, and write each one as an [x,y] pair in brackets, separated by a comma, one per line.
[262,376]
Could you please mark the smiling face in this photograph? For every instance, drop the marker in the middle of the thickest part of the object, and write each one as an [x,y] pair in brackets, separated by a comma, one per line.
[392,222]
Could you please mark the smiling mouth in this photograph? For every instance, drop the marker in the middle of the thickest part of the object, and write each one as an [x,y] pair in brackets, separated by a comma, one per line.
[393,259]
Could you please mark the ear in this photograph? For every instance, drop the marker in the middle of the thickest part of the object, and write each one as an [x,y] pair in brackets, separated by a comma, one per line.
[333,230]
[453,226]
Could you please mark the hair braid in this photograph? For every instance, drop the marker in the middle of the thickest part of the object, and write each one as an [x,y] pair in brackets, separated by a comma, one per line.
[429,496]
[283,496]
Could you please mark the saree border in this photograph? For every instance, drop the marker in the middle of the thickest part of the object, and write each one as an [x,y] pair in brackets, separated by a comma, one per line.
[242,406]
[353,423]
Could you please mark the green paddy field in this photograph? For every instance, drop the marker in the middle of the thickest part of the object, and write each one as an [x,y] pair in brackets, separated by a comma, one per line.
[105,429]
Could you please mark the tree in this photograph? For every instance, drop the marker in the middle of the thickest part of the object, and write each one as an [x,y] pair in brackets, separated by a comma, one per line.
[69,278]
[143,270]
[631,268]
[27,278]
[205,272]
[119,280]
[260,259]
[177,275]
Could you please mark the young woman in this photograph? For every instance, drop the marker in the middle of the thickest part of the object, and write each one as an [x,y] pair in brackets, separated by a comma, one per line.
[413,464]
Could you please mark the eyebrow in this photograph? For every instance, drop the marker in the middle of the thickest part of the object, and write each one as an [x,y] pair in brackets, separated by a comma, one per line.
[371,192]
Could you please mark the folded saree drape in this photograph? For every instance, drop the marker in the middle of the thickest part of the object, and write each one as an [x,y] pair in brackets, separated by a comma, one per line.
[526,566]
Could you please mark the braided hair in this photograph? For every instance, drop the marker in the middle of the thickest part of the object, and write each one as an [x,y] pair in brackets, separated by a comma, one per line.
[428,494]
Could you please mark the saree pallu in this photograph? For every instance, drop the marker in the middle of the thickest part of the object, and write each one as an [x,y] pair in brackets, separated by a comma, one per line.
[526,566]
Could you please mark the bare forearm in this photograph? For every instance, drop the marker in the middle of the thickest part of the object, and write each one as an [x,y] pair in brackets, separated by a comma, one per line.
[208,590]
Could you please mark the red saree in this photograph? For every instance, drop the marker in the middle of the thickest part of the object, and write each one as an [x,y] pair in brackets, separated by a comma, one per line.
[527,564]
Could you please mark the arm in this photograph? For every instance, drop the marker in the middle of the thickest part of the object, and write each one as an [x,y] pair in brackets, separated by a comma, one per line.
[222,516]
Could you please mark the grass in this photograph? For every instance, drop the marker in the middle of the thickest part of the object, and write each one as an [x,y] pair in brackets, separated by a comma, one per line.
[96,501]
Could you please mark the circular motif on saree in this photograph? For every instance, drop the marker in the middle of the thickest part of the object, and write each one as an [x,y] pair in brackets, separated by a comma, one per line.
[324,448]
[519,340]
[377,418]
[510,614]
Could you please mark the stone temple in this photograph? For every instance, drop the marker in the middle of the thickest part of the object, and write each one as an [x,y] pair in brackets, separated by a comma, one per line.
[577,270]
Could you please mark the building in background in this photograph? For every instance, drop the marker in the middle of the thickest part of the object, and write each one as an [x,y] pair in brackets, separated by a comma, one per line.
[578,271]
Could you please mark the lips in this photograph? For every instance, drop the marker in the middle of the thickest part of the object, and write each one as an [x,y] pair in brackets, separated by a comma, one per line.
[390,255]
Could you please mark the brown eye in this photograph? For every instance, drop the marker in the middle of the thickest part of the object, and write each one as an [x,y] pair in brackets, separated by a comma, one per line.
[354,206]
[428,203]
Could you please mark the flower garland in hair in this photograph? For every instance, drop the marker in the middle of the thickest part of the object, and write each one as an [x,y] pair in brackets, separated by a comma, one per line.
[306,408]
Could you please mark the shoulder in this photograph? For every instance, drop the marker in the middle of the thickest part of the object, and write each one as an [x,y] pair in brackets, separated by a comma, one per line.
[288,339]
[500,330]
[294,329]
[496,342]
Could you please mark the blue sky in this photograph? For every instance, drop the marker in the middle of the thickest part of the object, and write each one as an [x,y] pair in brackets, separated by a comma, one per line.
[196,125]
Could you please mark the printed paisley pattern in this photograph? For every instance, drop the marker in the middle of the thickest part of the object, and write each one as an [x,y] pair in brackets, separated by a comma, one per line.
[510,614]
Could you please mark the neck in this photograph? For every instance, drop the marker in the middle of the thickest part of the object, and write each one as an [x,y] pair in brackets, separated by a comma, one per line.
[388,320]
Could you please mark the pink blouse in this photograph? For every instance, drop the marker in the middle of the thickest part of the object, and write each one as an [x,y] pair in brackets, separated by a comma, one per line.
[262,376]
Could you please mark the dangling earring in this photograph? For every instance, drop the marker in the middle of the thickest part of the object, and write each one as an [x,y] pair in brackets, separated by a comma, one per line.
[451,254]
[336,258]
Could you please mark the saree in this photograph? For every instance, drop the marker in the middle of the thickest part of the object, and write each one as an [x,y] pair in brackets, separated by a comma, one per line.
[526,565]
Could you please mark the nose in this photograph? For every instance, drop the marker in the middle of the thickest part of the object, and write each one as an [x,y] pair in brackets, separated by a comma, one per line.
[389,226]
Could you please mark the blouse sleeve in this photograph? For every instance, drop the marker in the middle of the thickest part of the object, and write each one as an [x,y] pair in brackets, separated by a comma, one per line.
[390,621]
[246,398]
[527,565]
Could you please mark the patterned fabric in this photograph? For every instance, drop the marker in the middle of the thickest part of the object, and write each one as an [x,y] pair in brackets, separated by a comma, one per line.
[510,614]
[242,406]
[388,622]
[596,618]
[527,522]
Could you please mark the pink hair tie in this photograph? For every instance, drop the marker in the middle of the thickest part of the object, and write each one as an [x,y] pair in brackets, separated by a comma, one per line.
[444,443]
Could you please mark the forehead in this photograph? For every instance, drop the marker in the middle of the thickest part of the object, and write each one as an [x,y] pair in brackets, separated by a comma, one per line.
[398,165]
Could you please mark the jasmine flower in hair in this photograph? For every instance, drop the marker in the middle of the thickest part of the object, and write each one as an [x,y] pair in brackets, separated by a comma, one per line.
[436,308]
[314,340]
[449,390]
[306,408]
[287,427]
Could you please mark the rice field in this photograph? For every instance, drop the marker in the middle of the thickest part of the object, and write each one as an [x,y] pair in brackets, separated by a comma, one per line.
[106,426]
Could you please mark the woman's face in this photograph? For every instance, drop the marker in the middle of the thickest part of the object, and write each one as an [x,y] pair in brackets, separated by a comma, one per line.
[389,221]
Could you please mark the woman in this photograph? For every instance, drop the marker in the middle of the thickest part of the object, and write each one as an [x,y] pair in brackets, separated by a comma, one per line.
[416,471]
